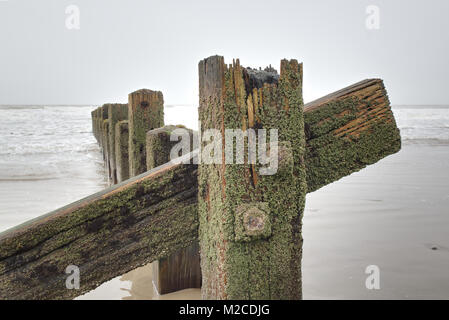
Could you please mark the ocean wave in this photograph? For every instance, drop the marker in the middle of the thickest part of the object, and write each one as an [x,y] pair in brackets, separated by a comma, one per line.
[436,142]
[21,107]
[423,124]
[25,179]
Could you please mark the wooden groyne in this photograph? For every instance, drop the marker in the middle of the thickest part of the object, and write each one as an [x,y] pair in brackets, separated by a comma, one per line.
[162,214]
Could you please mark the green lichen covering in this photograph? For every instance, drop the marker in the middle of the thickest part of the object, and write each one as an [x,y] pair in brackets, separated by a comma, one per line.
[349,133]
[270,267]
[158,145]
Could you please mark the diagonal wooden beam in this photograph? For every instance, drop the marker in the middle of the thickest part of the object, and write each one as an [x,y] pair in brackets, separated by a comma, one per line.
[105,235]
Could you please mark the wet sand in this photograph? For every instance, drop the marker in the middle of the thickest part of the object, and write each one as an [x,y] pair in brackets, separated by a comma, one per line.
[394,214]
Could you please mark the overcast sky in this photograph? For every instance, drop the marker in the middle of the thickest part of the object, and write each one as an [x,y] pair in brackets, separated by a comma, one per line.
[124,45]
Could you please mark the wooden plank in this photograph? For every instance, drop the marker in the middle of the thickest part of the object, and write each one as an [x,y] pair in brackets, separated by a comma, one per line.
[348,130]
[178,271]
[250,223]
[105,235]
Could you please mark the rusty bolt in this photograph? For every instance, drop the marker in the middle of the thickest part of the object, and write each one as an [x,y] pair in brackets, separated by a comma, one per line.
[252,221]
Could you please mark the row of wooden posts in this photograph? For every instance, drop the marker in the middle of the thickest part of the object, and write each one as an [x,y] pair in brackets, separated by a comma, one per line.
[134,140]
[227,228]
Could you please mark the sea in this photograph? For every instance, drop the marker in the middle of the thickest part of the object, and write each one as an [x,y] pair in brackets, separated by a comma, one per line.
[392,217]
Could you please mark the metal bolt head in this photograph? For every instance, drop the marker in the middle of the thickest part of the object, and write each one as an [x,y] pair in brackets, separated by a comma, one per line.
[252,222]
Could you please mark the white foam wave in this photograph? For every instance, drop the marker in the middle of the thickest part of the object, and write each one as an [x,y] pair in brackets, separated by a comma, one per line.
[425,123]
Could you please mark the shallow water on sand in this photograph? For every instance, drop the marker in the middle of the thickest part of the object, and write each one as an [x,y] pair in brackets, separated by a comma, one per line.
[48,158]
[393,214]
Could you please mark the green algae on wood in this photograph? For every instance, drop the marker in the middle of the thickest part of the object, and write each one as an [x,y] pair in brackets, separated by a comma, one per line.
[121,150]
[146,112]
[348,130]
[159,145]
[107,234]
[268,266]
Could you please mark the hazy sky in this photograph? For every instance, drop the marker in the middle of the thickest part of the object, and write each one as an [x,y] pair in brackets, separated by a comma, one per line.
[123,45]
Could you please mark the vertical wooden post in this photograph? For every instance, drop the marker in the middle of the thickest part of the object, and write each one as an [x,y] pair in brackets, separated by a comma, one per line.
[145,112]
[97,124]
[103,116]
[158,145]
[105,139]
[121,150]
[100,127]
[116,112]
[94,118]
[179,271]
[182,269]
[250,224]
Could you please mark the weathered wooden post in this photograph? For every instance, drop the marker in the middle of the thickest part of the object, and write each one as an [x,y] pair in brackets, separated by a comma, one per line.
[105,139]
[116,112]
[103,116]
[145,112]
[96,123]
[121,150]
[181,270]
[250,223]
[99,124]
[158,145]
[94,118]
